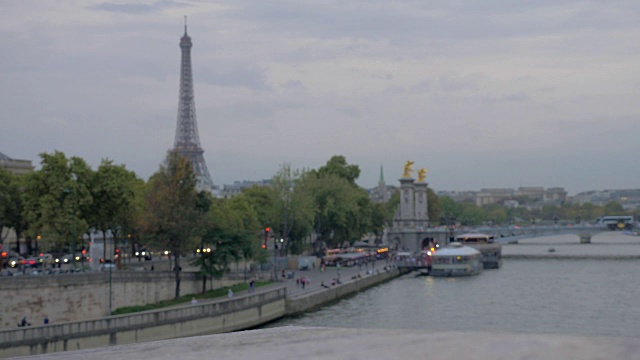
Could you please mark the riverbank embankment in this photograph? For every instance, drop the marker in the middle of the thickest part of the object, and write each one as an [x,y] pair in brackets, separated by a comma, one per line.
[303,302]
[242,311]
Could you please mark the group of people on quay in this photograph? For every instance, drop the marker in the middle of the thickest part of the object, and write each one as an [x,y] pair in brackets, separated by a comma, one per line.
[337,266]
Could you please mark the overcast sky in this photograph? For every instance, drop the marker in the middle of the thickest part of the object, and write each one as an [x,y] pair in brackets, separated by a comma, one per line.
[498,93]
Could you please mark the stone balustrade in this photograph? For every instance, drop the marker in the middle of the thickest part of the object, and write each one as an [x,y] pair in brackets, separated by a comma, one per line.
[210,317]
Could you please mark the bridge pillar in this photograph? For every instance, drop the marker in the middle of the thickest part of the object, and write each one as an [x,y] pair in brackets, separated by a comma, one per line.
[585,238]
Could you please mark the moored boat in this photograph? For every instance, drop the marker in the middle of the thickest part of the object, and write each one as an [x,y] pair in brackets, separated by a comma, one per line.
[491,251]
[456,260]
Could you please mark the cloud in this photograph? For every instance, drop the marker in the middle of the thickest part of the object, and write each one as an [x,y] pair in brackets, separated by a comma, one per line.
[234,74]
[462,85]
[139,8]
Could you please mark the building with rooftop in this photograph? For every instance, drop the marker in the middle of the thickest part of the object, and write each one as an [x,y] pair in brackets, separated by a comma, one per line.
[15,166]
[229,191]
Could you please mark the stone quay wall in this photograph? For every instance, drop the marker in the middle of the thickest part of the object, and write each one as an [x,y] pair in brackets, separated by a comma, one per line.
[75,297]
[220,316]
[322,296]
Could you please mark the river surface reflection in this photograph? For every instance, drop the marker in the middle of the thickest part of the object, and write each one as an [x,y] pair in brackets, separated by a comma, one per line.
[577,296]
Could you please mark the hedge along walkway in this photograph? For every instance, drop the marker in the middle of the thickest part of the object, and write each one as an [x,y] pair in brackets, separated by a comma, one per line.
[211,294]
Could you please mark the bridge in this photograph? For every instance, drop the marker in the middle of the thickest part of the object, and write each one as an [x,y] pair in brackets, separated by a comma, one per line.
[511,234]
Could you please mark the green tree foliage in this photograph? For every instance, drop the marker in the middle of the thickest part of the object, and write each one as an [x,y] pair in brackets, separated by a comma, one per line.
[261,199]
[247,229]
[391,207]
[450,210]
[497,216]
[171,216]
[344,211]
[338,166]
[472,215]
[378,219]
[113,189]
[434,209]
[613,208]
[11,205]
[232,232]
[293,208]
[57,199]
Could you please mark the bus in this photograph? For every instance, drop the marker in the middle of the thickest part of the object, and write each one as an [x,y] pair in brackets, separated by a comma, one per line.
[617,222]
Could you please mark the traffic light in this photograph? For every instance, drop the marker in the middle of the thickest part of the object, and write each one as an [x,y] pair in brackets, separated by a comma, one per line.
[267,230]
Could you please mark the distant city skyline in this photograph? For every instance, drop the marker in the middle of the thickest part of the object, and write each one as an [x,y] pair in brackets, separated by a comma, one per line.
[497,94]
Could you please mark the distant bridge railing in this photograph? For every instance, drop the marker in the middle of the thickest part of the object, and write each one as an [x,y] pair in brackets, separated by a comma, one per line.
[512,233]
[507,234]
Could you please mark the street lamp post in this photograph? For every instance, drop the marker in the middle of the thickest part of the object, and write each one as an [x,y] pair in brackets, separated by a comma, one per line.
[110,290]
[73,224]
[73,227]
[275,268]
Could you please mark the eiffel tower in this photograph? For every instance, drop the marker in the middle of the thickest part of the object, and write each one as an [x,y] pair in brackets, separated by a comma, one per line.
[187,142]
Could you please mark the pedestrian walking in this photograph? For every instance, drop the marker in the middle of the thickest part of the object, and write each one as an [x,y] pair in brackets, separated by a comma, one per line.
[24,322]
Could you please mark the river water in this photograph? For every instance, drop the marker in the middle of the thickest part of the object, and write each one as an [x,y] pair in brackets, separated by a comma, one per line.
[568,296]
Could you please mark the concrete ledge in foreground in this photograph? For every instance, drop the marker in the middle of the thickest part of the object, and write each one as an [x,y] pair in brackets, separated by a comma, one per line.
[338,343]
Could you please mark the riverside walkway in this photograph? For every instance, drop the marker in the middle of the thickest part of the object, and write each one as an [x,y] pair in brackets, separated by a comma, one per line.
[318,279]
[328,277]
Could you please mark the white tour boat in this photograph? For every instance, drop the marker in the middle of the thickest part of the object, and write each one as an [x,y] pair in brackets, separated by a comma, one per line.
[456,260]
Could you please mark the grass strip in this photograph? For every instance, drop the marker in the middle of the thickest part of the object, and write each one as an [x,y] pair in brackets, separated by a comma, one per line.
[211,294]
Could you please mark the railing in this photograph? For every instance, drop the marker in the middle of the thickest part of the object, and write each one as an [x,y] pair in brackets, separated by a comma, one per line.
[77,329]
[510,233]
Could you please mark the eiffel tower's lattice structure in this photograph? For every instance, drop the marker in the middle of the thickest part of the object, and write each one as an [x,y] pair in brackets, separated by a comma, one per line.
[187,142]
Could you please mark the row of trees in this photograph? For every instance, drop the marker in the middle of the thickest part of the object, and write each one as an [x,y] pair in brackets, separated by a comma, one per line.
[470,214]
[52,207]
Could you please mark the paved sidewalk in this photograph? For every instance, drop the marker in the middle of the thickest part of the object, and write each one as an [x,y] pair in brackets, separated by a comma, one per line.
[317,277]
[326,277]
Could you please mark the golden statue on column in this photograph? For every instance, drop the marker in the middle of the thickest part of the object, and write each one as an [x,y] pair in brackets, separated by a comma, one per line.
[408,169]
[422,174]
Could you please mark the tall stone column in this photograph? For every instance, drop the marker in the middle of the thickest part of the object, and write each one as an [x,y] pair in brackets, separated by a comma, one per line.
[407,203]
[421,205]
